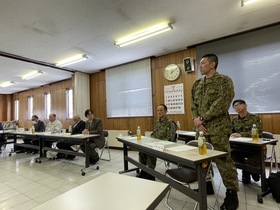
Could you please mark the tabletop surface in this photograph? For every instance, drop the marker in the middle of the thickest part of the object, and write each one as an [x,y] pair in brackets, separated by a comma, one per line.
[176,150]
[48,134]
[108,191]
[247,140]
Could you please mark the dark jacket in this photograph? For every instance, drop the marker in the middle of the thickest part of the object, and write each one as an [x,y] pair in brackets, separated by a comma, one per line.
[96,127]
[78,128]
[39,126]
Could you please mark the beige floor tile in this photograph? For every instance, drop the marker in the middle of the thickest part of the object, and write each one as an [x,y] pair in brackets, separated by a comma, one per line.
[26,184]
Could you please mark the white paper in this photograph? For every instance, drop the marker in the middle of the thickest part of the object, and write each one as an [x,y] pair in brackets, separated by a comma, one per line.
[240,139]
[179,148]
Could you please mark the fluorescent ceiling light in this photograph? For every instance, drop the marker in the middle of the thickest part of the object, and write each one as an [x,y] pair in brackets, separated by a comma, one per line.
[6,84]
[246,2]
[32,75]
[71,60]
[152,31]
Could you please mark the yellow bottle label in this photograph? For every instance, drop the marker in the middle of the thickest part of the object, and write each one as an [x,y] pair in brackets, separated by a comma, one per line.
[255,137]
[138,136]
[202,149]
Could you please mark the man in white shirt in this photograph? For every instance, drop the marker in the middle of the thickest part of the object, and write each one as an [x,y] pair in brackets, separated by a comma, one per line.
[54,126]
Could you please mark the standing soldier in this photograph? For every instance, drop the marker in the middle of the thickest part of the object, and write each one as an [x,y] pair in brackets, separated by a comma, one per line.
[210,101]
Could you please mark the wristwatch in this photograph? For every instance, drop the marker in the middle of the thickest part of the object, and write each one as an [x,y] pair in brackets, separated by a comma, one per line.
[202,119]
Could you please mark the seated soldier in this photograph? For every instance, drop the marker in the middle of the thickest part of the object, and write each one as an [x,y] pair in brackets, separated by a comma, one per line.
[241,127]
[165,129]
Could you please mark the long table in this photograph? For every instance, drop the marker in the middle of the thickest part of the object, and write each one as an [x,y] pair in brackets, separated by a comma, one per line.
[188,157]
[5,135]
[110,191]
[44,136]
[244,145]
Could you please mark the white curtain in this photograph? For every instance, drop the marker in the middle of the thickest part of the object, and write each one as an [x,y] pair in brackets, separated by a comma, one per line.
[81,93]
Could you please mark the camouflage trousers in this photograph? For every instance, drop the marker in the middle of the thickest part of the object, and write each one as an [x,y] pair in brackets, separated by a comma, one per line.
[145,159]
[226,165]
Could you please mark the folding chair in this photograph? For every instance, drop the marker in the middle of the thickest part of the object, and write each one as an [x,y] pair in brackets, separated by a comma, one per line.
[272,156]
[185,176]
[106,145]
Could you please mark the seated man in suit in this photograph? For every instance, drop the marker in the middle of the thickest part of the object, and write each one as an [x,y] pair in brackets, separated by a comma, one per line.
[241,127]
[93,126]
[39,126]
[77,128]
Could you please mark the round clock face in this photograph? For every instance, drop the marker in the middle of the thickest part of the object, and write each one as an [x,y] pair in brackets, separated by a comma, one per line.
[172,72]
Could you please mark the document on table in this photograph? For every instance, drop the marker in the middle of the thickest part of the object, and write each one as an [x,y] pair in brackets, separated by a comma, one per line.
[159,145]
[179,148]
[135,137]
[240,139]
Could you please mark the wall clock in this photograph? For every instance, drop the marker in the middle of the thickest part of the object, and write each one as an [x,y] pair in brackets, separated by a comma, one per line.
[172,72]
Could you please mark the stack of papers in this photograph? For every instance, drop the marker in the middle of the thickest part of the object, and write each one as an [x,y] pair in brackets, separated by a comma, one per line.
[179,148]
[159,145]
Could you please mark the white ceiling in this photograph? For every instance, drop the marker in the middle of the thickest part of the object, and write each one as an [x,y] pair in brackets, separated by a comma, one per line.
[51,30]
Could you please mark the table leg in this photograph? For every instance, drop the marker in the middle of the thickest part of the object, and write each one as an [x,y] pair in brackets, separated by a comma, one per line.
[262,169]
[202,187]
[87,145]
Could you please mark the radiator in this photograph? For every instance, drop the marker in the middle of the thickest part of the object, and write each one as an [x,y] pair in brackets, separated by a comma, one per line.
[112,141]
[277,148]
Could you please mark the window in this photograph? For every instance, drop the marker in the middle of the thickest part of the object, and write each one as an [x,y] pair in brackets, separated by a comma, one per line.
[69,103]
[30,107]
[47,104]
[16,109]
[129,90]
[252,62]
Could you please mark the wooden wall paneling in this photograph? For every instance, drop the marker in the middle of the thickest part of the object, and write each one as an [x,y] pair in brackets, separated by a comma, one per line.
[10,107]
[158,66]
[3,116]
[275,121]
[58,103]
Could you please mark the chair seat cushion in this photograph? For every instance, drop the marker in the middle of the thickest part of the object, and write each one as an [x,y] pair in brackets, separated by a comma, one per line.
[185,175]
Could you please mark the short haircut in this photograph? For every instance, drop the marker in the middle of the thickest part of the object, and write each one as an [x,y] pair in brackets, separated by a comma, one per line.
[164,106]
[240,101]
[35,116]
[87,112]
[212,58]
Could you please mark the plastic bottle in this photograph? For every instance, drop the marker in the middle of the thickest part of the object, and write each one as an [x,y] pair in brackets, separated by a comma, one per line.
[70,129]
[202,149]
[178,125]
[138,133]
[255,133]
[33,129]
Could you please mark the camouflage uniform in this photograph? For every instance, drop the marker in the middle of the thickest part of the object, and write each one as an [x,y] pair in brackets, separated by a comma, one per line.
[211,98]
[243,126]
[165,130]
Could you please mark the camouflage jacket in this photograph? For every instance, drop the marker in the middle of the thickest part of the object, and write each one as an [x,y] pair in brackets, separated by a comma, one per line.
[211,98]
[243,125]
[165,129]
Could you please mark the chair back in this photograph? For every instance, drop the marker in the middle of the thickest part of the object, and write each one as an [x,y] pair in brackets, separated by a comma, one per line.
[267,135]
[194,143]
[105,133]
[174,128]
